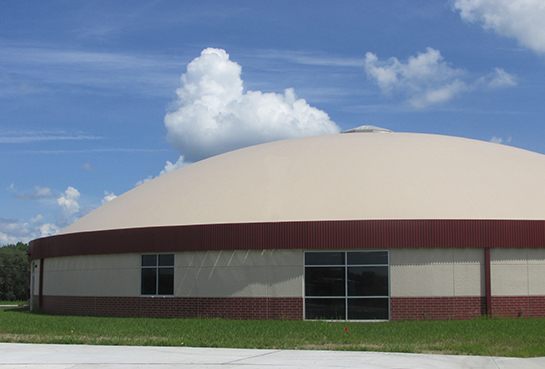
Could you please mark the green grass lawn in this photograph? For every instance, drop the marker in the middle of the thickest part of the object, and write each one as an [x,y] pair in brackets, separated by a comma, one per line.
[3,303]
[498,337]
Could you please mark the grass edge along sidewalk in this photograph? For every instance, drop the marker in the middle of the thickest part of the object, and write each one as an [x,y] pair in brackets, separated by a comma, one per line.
[521,337]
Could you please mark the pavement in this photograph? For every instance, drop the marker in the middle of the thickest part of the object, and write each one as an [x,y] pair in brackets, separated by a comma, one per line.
[23,355]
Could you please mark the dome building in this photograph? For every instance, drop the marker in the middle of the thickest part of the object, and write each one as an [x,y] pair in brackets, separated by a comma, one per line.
[363,225]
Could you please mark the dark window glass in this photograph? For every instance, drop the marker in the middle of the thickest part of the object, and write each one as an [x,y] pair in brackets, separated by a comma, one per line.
[368,257]
[149,260]
[357,289]
[324,258]
[325,309]
[157,274]
[166,260]
[166,281]
[324,281]
[367,281]
[368,309]
[149,281]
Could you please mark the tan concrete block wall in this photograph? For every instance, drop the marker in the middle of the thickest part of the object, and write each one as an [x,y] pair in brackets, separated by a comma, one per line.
[249,273]
[260,273]
[517,272]
[92,275]
[440,272]
[279,273]
[536,280]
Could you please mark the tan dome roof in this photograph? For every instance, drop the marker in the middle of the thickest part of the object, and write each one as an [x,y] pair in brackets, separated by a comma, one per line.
[338,177]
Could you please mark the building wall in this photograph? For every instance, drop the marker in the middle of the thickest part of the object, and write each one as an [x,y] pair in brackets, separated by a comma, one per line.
[243,273]
[265,273]
[35,265]
[35,284]
[441,272]
[420,272]
[425,283]
[92,275]
[230,284]
[517,282]
[439,283]
[517,272]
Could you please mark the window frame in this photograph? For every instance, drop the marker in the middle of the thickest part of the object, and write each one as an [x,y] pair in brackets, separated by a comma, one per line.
[157,267]
[347,297]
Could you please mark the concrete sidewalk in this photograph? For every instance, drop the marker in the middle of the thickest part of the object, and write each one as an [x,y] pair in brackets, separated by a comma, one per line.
[21,355]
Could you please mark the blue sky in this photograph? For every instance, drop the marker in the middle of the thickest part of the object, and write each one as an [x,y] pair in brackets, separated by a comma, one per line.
[97,97]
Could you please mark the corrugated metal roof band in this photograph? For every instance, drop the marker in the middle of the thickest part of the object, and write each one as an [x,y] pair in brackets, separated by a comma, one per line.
[354,234]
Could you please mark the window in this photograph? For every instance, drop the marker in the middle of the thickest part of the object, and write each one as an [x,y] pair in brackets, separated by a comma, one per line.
[351,285]
[157,274]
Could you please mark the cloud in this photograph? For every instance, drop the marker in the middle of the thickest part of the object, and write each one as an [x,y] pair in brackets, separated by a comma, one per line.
[500,78]
[304,58]
[37,219]
[30,137]
[519,19]
[426,79]
[36,194]
[46,230]
[88,167]
[499,140]
[108,196]
[41,229]
[42,68]
[90,151]
[68,201]
[13,230]
[169,167]
[213,114]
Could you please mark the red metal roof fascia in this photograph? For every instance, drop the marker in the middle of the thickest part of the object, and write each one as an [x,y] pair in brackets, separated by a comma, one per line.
[352,234]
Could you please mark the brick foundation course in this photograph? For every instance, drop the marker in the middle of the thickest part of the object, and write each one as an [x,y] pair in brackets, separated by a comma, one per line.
[436,308]
[261,308]
[258,308]
[518,306]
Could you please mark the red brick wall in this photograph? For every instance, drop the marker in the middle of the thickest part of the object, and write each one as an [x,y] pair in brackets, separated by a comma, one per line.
[518,306]
[401,308]
[177,307]
[436,308]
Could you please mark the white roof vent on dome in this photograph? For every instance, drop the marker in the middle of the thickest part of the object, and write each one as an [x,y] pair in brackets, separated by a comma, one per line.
[367,128]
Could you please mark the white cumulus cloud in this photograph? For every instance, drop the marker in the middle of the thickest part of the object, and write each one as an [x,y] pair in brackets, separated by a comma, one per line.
[169,167]
[213,114]
[46,230]
[68,201]
[66,207]
[523,20]
[108,196]
[500,140]
[427,79]
[14,230]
